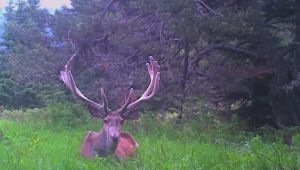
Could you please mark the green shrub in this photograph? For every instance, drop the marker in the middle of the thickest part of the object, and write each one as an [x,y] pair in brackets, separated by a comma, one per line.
[26,115]
[15,95]
[65,114]
[69,114]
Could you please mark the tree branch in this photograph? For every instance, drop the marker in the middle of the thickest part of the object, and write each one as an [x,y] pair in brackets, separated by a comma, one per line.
[223,47]
[71,41]
[107,7]
[203,4]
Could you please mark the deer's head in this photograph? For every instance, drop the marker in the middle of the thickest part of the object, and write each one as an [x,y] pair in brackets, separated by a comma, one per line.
[113,120]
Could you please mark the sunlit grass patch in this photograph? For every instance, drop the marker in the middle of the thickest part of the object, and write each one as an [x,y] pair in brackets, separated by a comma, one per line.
[34,145]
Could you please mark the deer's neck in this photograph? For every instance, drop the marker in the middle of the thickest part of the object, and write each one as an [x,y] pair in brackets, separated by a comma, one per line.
[104,145]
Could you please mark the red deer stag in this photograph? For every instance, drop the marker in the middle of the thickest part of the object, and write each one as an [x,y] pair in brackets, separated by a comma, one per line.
[110,139]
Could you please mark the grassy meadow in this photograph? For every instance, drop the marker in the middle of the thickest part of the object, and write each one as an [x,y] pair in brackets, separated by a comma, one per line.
[49,139]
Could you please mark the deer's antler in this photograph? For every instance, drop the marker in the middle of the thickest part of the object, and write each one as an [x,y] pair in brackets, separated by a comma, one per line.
[128,109]
[96,109]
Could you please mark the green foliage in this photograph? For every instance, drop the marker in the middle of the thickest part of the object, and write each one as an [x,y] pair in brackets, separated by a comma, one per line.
[64,114]
[25,115]
[276,154]
[49,138]
[28,50]
[68,114]
[232,53]
[14,94]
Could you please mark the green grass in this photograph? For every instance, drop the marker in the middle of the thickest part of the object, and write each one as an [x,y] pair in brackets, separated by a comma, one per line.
[34,145]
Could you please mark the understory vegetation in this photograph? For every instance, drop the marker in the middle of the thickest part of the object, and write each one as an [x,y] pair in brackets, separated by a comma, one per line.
[49,138]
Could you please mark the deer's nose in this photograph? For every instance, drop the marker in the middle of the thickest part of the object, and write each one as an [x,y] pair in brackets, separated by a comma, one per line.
[115,139]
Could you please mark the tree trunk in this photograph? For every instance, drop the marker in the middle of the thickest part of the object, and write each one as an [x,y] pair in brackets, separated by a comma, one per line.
[297,37]
[286,102]
[184,78]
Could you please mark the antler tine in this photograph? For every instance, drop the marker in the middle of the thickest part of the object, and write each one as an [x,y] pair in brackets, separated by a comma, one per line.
[97,110]
[104,101]
[127,101]
[153,70]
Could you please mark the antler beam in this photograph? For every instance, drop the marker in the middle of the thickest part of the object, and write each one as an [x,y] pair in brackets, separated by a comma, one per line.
[97,110]
[154,72]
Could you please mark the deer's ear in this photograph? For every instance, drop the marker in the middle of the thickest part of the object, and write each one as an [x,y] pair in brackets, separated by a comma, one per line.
[131,115]
[95,113]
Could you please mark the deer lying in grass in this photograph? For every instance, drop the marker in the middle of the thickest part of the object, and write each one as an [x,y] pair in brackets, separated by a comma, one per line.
[111,140]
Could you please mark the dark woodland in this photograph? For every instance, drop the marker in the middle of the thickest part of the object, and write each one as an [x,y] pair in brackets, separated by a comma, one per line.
[232,57]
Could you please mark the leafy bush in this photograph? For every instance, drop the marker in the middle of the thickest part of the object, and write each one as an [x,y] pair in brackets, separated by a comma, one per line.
[68,114]
[14,94]
[65,114]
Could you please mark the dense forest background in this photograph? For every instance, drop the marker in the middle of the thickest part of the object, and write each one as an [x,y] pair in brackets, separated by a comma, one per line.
[235,57]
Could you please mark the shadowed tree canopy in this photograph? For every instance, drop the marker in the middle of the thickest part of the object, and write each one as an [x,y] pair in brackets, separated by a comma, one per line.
[237,56]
